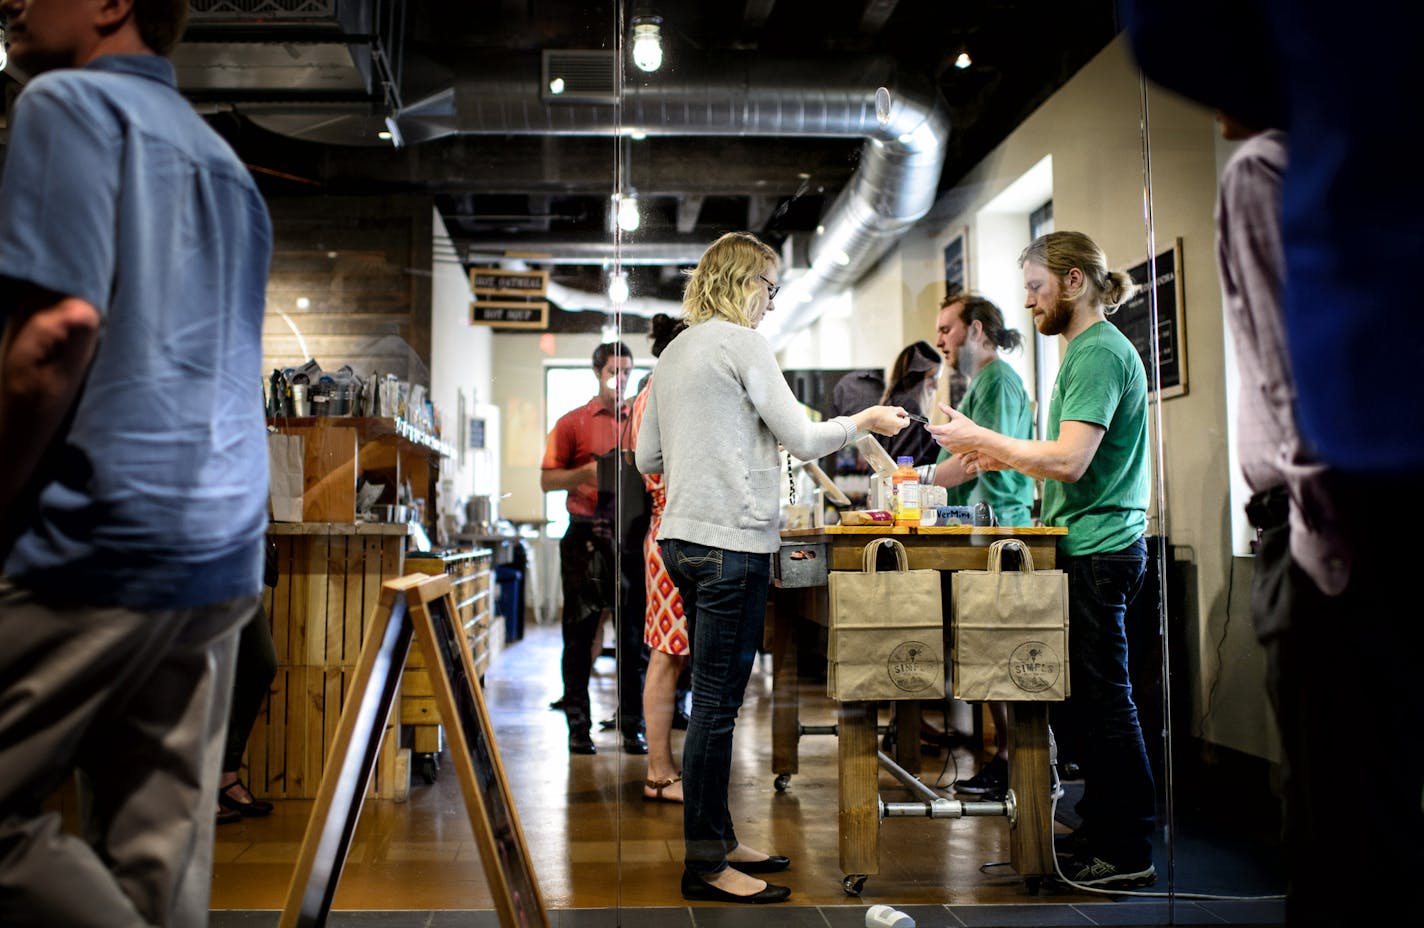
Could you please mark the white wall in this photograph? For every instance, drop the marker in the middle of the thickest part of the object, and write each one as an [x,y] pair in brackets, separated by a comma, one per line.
[459,364]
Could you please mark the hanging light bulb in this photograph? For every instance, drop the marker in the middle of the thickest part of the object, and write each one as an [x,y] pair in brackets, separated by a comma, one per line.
[962,61]
[648,43]
[618,287]
[628,217]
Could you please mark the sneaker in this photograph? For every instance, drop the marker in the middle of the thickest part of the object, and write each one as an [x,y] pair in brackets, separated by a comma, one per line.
[1096,873]
[993,776]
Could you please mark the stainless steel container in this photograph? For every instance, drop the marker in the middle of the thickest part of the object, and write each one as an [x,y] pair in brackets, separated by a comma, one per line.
[482,510]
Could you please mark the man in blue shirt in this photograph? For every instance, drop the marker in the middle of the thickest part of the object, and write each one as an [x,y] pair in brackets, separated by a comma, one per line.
[134,250]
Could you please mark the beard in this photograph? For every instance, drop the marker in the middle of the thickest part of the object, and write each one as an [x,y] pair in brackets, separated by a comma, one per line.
[1056,319]
[964,359]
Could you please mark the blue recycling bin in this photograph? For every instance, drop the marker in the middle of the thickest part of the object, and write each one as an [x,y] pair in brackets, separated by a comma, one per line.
[510,604]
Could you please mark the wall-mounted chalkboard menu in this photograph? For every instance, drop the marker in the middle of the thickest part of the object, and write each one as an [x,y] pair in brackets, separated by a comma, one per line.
[1134,318]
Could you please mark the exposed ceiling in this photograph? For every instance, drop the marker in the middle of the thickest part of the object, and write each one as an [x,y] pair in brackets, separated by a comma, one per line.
[757,119]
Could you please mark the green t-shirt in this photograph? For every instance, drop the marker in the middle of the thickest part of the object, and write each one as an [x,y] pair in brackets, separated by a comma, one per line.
[997,400]
[1101,381]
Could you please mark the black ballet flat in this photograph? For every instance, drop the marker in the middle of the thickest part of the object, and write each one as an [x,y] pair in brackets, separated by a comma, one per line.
[251,807]
[699,890]
[772,864]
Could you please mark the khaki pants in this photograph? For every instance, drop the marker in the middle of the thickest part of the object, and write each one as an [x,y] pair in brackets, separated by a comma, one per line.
[138,701]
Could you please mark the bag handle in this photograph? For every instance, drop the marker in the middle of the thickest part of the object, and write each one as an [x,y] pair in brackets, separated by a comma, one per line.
[867,557]
[997,549]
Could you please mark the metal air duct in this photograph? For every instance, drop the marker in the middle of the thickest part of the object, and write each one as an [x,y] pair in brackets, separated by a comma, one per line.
[904,123]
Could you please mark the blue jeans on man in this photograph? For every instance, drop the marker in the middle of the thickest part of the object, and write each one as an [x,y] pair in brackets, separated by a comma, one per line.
[1118,808]
[724,595]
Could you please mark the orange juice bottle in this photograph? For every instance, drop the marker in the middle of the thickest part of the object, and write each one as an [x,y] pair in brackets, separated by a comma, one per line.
[905,492]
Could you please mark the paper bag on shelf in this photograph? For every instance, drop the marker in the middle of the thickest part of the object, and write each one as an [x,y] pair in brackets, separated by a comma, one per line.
[285,476]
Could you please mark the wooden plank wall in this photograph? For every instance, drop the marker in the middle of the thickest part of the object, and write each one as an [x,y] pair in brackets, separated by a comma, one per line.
[325,598]
[364,265]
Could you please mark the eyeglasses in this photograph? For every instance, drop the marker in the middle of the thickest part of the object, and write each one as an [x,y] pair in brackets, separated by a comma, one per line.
[771,289]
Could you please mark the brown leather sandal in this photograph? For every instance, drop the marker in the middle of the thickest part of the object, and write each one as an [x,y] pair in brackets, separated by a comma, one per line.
[658,786]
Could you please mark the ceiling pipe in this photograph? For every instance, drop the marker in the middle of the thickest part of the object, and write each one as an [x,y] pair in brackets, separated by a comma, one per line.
[904,122]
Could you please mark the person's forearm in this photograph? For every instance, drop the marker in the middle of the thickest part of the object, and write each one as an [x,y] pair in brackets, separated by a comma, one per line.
[559,479]
[950,472]
[1043,460]
[43,361]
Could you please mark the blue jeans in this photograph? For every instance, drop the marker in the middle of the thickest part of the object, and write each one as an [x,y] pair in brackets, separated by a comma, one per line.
[724,597]
[1119,802]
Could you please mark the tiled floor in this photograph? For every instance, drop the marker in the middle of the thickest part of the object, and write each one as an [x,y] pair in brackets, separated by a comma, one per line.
[605,858]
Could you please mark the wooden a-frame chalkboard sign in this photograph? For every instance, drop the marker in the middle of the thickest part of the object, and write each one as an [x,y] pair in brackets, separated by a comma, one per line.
[420,607]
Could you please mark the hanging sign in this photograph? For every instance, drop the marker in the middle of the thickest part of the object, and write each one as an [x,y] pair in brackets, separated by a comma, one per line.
[509,314]
[496,282]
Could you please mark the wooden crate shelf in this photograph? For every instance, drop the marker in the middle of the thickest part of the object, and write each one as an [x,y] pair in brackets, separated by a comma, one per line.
[329,578]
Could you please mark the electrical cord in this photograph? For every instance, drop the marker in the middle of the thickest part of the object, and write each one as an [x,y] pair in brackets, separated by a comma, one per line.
[1220,643]
[1142,894]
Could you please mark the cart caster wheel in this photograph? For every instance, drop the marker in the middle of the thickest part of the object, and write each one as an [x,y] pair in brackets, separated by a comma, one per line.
[429,768]
[782,781]
[1033,884]
[854,883]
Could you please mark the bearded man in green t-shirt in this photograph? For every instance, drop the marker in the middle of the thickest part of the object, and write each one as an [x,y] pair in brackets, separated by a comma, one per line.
[1094,464]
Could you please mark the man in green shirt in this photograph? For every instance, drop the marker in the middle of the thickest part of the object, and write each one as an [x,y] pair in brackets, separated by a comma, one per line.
[970,331]
[1094,463]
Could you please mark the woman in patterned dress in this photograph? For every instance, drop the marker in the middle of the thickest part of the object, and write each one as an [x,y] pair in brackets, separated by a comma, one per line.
[664,625]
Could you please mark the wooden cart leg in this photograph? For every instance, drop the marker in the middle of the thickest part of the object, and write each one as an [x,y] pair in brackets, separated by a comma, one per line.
[859,779]
[907,735]
[1031,835]
[785,695]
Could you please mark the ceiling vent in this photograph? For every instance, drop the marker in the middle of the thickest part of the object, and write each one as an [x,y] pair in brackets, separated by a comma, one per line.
[248,10]
[579,76]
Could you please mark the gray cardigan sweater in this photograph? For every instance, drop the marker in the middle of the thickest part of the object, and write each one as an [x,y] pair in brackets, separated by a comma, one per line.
[718,407]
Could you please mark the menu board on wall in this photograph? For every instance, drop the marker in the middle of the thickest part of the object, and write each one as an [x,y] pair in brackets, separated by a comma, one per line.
[508,298]
[1134,318]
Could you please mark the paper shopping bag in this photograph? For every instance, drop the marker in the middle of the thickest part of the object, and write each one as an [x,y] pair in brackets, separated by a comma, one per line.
[1010,630]
[285,477]
[886,636]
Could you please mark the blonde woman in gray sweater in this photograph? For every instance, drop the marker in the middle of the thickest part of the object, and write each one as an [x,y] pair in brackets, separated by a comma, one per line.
[718,409]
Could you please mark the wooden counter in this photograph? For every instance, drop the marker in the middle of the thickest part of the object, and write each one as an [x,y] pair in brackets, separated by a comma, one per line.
[958,547]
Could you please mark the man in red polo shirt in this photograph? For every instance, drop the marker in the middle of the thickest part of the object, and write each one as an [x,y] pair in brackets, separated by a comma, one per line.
[586,551]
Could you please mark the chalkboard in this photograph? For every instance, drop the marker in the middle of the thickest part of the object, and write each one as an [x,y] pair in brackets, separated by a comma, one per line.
[956,276]
[422,608]
[1134,318]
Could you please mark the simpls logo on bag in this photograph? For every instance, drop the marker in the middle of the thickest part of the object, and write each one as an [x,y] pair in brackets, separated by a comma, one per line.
[1034,667]
[914,666]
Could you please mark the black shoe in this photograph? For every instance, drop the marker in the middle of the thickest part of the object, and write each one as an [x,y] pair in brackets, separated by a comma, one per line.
[635,743]
[773,864]
[1085,869]
[251,807]
[699,890]
[607,725]
[993,776]
[581,743]
[557,704]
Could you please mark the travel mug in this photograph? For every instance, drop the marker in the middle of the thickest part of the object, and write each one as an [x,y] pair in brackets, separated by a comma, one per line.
[883,916]
[301,405]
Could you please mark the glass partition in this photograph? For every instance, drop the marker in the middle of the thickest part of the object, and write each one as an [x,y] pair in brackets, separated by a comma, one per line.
[571,164]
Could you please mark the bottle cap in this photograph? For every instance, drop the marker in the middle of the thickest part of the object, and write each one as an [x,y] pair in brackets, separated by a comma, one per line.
[904,459]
